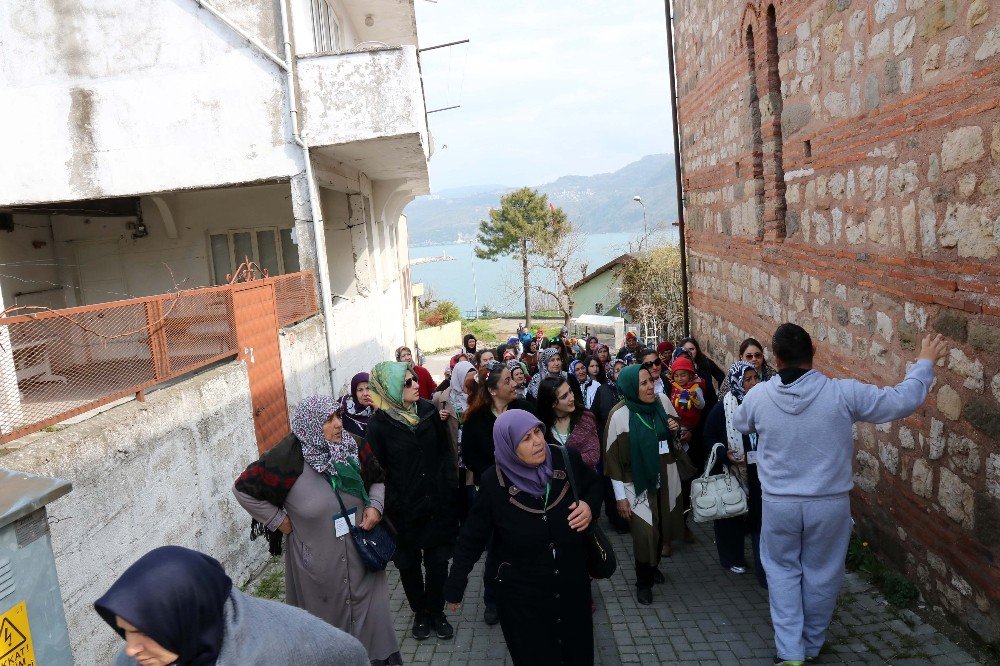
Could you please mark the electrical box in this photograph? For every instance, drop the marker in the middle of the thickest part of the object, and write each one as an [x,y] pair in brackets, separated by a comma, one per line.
[33,629]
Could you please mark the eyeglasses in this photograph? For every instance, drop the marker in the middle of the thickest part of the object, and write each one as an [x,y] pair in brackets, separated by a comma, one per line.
[752,355]
[649,364]
[409,382]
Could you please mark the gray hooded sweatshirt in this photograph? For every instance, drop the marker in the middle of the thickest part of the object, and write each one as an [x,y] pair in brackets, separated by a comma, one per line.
[805,429]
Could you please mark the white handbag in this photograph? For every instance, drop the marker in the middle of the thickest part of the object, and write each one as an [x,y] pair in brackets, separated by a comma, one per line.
[718,496]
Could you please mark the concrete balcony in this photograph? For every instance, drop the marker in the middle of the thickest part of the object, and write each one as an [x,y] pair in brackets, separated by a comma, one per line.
[365,110]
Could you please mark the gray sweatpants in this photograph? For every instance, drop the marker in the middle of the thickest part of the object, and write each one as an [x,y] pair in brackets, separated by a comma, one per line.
[802,547]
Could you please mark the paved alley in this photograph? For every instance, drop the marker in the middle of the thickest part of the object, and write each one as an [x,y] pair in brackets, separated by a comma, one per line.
[702,615]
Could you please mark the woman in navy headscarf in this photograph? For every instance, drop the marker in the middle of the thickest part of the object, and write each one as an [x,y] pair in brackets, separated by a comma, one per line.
[178,606]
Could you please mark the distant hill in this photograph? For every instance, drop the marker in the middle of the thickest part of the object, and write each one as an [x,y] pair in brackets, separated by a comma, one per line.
[594,204]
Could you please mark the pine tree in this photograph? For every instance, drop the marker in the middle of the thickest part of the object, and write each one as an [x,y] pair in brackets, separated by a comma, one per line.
[524,225]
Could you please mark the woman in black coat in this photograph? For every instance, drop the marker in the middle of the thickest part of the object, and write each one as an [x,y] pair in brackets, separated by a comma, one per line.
[526,503]
[409,439]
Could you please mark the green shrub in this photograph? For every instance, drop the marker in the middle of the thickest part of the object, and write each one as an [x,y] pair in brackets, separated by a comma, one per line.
[444,312]
[898,589]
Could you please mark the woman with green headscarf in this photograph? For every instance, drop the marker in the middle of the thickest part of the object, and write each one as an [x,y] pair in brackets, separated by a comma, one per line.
[641,458]
[409,438]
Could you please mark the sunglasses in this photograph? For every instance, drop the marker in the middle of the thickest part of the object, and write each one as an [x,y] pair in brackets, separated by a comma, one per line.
[649,364]
[409,382]
[751,355]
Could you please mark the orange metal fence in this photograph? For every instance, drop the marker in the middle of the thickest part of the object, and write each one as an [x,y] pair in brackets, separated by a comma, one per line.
[57,364]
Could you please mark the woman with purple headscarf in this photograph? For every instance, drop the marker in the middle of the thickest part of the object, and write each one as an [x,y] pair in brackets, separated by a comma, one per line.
[527,506]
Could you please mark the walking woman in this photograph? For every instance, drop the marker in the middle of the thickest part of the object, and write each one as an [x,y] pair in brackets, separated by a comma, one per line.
[178,606]
[452,404]
[491,399]
[527,506]
[566,421]
[356,408]
[292,490]
[740,453]
[642,461]
[707,369]
[408,437]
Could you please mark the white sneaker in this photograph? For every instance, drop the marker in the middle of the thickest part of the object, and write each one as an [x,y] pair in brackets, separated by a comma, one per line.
[738,570]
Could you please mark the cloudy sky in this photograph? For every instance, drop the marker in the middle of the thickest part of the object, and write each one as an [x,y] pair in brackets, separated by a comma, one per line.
[547,88]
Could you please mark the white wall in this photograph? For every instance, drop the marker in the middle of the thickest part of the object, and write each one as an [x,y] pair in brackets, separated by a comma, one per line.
[104,98]
[147,474]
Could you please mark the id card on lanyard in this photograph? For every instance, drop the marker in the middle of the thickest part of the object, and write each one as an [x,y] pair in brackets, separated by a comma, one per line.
[340,522]
[752,453]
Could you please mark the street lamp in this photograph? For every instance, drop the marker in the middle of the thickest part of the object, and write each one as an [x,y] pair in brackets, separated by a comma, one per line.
[638,200]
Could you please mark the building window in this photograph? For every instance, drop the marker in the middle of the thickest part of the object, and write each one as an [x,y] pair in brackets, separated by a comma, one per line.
[326,27]
[270,248]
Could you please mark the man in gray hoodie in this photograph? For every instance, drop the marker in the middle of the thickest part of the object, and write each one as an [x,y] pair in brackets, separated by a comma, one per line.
[804,424]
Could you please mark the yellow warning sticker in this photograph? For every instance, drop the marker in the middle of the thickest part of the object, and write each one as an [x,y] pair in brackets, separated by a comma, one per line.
[15,638]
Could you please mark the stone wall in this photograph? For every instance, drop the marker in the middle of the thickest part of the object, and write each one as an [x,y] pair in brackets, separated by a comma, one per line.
[304,361]
[842,167]
[146,474]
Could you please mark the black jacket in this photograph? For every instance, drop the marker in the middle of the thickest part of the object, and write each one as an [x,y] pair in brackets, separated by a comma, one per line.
[420,477]
[543,596]
[715,432]
[477,438]
[709,371]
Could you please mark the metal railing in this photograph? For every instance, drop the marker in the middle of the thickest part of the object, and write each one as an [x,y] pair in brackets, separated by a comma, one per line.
[57,364]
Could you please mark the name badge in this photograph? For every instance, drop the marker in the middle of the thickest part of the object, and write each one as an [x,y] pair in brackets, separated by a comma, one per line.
[751,457]
[340,522]
[664,446]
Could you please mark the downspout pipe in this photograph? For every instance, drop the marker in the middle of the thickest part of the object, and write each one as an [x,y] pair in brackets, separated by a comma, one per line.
[270,55]
[315,208]
[678,164]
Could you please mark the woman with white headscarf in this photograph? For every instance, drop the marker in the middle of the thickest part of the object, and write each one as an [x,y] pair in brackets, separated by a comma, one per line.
[453,404]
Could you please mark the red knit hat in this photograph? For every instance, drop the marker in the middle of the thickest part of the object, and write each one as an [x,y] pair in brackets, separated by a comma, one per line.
[683,363]
[664,347]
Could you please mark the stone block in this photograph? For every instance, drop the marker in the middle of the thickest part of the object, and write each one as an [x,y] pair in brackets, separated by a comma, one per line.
[995,386]
[884,9]
[953,325]
[978,11]
[891,77]
[939,17]
[866,473]
[794,117]
[970,230]
[906,75]
[995,145]
[878,225]
[932,61]
[949,402]
[987,519]
[833,36]
[903,179]
[963,454]
[908,220]
[956,51]
[879,45]
[990,46]
[922,478]
[983,416]
[971,370]
[967,184]
[962,146]
[881,182]
[889,455]
[906,439]
[993,474]
[956,498]
[902,34]
[836,104]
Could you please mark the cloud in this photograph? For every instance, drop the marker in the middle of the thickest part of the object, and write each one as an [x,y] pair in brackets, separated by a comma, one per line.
[565,86]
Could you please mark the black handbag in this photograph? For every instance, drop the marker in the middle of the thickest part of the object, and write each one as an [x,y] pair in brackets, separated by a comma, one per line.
[375,546]
[600,554]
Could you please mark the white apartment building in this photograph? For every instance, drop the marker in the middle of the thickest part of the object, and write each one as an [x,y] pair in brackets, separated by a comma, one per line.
[151,146]
[155,144]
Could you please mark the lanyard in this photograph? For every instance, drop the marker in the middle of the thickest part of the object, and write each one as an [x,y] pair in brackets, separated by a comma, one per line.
[645,422]
[545,505]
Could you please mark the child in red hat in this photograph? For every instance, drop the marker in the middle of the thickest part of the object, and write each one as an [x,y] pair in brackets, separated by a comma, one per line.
[685,392]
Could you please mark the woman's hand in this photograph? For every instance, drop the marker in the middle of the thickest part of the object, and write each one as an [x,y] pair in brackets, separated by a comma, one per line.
[286,526]
[733,458]
[370,518]
[579,516]
[686,436]
[444,414]
[624,509]
[673,424]
[454,608]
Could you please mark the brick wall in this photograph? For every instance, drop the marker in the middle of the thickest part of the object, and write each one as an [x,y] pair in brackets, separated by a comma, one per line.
[842,167]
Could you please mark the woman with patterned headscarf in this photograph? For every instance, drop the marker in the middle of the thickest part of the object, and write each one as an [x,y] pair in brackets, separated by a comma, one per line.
[739,452]
[408,436]
[292,491]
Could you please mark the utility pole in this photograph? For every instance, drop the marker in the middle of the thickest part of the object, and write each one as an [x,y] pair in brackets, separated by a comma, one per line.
[645,232]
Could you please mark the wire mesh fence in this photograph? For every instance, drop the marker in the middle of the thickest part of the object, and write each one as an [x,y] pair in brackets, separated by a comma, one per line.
[57,364]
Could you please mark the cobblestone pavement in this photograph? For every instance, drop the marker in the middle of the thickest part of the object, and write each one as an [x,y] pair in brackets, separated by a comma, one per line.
[702,615]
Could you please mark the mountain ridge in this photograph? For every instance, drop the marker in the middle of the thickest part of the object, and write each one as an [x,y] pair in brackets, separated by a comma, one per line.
[600,203]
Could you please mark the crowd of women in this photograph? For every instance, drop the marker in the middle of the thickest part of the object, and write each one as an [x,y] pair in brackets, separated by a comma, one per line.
[512,455]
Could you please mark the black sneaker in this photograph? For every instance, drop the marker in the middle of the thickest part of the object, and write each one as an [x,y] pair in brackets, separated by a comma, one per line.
[442,626]
[491,616]
[644,596]
[421,626]
[658,577]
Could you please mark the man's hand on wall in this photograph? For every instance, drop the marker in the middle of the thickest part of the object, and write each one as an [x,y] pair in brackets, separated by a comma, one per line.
[932,349]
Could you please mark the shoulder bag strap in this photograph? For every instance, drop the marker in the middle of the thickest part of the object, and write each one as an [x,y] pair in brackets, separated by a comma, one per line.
[569,472]
[711,463]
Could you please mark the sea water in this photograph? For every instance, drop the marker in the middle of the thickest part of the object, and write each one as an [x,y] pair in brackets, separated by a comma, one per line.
[473,283]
